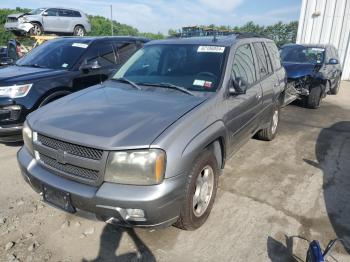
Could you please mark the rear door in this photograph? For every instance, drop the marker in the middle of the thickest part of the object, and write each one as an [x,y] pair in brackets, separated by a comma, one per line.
[65,17]
[268,80]
[243,109]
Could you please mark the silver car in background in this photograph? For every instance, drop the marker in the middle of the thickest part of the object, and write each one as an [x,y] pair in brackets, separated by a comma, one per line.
[49,20]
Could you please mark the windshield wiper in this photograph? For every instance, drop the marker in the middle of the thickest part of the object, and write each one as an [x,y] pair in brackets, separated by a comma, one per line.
[170,86]
[125,80]
[34,65]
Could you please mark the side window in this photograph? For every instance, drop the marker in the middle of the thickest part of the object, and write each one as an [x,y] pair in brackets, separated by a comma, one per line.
[76,14]
[124,51]
[64,12]
[52,12]
[275,55]
[263,63]
[103,53]
[243,65]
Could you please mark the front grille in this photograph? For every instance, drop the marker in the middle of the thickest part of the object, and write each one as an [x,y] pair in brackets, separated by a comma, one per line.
[70,169]
[82,151]
[76,162]
[11,19]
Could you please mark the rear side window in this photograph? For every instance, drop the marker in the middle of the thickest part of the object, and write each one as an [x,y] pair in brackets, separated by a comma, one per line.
[65,12]
[264,62]
[103,53]
[243,65]
[76,14]
[275,55]
[124,51]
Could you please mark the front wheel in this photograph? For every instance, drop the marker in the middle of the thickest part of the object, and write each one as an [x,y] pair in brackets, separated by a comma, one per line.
[200,192]
[335,89]
[36,29]
[79,31]
[314,99]
[269,133]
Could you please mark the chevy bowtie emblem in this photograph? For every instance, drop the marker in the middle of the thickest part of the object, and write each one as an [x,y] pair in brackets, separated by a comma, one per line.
[61,156]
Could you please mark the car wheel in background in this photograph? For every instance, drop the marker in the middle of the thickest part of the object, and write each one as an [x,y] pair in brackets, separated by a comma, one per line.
[200,192]
[79,31]
[36,29]
[269,133]
[335,89]
[314,99]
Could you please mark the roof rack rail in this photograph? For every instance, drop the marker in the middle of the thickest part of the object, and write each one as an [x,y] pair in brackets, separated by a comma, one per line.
[249,35]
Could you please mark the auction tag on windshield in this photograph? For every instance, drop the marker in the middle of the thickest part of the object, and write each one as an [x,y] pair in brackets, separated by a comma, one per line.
[198,82]
[317,49]
[81,45]
[210,49]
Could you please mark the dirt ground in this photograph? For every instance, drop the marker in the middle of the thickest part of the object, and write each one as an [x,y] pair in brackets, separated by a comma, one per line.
[272,195]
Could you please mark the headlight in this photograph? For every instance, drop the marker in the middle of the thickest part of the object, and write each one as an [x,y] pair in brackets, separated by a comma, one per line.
[15,91]
[28,137]
[136,167]
[22,19]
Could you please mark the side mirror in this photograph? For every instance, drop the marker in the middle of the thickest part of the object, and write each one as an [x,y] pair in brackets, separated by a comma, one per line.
[237,87]
[333,61]
[45,13]
[86,67]
[6,61]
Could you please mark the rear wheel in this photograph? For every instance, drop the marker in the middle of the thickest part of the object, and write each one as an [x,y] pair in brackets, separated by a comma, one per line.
[36,29]
[200,192]
[269,133]
[314,99]
[79,31]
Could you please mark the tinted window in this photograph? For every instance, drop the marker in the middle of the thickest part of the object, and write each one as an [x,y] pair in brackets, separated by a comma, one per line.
[191,66]
[124,51]
[275,55]
[103,53]
[76,14]
[52,12]
[243,65]
[65,12]
[263,62]
[58,54]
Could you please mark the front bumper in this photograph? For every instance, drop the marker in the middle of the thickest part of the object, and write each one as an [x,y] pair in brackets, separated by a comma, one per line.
[11,134]
[11,122]
[160,203]
[16,26]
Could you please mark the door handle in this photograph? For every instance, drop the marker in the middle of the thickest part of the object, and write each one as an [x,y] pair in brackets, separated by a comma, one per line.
[275,85]
[258,96]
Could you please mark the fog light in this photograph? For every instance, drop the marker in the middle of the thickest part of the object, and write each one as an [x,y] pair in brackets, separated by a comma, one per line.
[134,213]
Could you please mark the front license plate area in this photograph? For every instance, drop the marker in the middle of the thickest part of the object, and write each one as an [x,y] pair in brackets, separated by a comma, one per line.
[58,198]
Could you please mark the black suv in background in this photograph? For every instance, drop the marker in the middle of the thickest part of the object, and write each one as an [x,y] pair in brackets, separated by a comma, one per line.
[313,72]
[55,69]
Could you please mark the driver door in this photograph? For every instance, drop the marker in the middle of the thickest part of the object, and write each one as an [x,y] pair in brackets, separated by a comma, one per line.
[51,20]
[243,109]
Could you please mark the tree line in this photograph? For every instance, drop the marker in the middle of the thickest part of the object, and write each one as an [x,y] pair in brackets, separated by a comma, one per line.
[280,32]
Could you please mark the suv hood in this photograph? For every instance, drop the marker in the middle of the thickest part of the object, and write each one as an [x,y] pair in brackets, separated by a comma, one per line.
[15,74]
[16,15]
[112,118]
[296,70]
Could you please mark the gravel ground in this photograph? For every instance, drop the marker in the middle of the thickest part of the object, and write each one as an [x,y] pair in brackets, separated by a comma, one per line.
[271,196]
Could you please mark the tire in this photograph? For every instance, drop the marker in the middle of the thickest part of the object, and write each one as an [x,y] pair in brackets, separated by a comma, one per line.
[269,133]
[53,97]
[314,99]
[206,171]
[335,90]
[36,30]
[79,31]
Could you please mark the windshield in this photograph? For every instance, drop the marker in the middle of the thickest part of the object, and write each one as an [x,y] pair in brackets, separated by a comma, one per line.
[302,54]
[193,67]
[55,54]
[36,11]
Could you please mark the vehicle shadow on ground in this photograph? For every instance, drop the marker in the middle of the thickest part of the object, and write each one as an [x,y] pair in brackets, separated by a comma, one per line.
[279,252]
[109,243]
[333,157]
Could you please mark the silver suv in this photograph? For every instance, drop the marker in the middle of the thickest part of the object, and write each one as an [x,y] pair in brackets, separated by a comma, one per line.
[53,20]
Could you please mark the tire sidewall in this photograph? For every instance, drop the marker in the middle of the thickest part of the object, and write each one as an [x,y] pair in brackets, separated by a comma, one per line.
[278,109]
[207,158]
[76,28]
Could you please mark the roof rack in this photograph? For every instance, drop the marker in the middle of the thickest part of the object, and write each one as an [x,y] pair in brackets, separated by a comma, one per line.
[249,35]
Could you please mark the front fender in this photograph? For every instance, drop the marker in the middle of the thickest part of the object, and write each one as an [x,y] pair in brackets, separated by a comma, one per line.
[26,26]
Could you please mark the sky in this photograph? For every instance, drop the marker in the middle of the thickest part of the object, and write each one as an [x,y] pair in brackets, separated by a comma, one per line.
[160,15]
